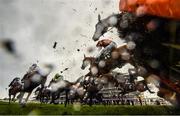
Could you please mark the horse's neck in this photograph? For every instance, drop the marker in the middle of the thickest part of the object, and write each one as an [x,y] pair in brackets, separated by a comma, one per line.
[92,60]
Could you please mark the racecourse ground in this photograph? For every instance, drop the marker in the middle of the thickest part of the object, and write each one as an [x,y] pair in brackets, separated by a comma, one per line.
[49,109]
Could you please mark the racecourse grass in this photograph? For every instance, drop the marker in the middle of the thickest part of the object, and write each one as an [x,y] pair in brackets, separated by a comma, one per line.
[50,109]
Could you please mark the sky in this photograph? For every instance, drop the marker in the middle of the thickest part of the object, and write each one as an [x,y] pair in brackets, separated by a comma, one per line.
[34,26]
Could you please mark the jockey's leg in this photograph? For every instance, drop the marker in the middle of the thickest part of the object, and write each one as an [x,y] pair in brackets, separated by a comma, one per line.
[110,46]
[106,50]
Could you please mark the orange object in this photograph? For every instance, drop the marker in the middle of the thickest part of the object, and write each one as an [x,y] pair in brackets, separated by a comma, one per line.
[162,8]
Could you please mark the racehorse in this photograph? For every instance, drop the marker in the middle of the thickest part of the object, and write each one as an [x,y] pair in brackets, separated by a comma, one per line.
[30,82]
[57,87]
[80,89]
[14,87]
[73,90]
[118,58]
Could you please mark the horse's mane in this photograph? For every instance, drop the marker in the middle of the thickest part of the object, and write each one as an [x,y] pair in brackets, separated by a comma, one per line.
[15,79]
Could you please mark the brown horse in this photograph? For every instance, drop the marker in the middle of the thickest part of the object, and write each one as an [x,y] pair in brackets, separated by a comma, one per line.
[14,87]
[118,58]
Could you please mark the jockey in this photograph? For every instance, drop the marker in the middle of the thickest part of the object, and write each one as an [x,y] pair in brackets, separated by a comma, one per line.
[58,77]
[33,68]
[108,46]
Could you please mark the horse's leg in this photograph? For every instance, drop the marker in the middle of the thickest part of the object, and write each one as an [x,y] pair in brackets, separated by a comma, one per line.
[9,98]
[52,97]
[122,99]
[85,96]
[90,99]
[140,100]
[28,96]
[66,98]
[41,99]
[21,97]
[13,99]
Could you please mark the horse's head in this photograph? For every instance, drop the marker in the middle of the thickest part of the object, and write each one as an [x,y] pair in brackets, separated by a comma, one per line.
[14,82]
[100,28]
[86,61]
[103,25]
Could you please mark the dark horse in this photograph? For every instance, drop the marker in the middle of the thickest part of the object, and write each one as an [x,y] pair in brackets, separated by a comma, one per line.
[14,87]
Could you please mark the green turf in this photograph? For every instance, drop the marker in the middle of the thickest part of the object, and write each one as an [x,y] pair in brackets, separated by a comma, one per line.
[49,109]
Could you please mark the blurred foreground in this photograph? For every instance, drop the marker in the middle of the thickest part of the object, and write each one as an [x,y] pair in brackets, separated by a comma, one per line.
[48,109]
